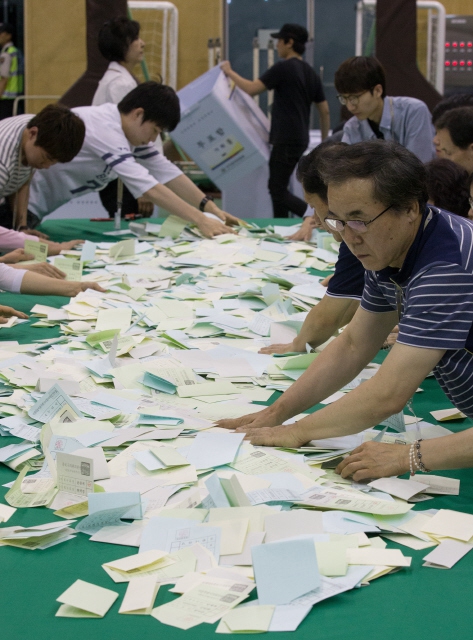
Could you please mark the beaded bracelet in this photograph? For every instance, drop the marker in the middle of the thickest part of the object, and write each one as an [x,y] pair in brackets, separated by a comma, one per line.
[412,461]
[420,464]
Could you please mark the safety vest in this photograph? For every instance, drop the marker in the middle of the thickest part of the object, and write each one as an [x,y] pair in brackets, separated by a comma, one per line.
[15,79]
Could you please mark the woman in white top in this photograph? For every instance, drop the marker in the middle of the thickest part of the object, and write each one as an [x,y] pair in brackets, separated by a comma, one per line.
[120,43]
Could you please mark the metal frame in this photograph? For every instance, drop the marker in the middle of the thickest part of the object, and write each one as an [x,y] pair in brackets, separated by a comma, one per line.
[27,97]
[435,71]
[170,13]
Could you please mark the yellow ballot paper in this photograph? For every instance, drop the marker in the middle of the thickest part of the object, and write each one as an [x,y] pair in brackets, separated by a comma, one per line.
[72,268]
[204,603]
[140,596]
[113,319]
[136,565]
[376,557]
[38,249]
[247,619]
[172,227]
[85,600]
[206,389]
[443,415]
[123,249]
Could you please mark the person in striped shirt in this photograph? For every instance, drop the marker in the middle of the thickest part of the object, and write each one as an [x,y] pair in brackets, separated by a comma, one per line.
[419,270]
[27,143]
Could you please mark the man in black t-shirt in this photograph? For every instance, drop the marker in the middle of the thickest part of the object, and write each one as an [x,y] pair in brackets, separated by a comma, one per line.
[296,86]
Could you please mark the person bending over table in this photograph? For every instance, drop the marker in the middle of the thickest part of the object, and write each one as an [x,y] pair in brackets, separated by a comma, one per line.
[454,136]
[419,270]
[345,288]
[27,143]
[119,143]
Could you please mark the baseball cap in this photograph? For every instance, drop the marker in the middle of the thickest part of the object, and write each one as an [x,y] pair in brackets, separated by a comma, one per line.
[294,31]
[6,27]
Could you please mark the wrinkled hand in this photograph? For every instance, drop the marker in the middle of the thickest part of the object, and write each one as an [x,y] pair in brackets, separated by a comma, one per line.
[304,234]
[18,255]
[46,269]
[55,248]
[8,312]
[280,436]
[232,221]
[392,337]
[280,348]
[145,207]
[90,285]
[33,232]
[211,228]
[256,420]
[226,67]
[375,460]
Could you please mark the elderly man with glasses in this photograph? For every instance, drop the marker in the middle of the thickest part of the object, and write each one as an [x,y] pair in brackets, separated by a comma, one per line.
[419,272]
[361,86]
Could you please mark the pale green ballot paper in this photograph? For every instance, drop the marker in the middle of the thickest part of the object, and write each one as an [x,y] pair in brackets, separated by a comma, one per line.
[37,249]
[72,268]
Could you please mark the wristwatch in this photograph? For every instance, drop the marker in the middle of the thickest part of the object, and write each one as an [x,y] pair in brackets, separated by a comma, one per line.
[204,201]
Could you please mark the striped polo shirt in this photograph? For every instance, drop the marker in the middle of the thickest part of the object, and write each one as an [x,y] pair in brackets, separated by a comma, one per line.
[12,173]
[434,291]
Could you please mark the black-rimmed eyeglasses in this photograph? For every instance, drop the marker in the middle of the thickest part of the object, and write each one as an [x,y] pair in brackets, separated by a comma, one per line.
[357,225]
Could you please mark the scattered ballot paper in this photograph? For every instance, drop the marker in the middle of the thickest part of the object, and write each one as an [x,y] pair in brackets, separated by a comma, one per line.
[285,571]
[404,489]
[140,596]
[205,603]
[247,620]
[85,600]
[448,553]
[443,415]
[450,524]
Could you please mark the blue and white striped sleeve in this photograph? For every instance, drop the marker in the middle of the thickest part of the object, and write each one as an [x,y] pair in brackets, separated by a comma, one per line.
[373,298]
[438,309]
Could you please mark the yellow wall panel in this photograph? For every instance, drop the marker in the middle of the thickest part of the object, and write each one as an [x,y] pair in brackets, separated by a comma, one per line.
[55,47]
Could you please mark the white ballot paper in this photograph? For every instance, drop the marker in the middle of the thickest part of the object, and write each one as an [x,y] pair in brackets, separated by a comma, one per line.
[75,474]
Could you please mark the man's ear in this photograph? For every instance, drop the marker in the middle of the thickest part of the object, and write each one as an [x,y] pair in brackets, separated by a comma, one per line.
[138,114]
[32,134]
[413,212]
[378,90]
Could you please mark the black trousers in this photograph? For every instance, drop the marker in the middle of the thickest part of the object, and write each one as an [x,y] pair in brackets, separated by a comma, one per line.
[282,162]
[108,196]
[6,217]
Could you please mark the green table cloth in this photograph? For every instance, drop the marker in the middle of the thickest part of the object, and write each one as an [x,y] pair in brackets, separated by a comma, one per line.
[417,602]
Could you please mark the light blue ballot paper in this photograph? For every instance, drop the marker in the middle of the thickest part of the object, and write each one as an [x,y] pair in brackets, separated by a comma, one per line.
[158,383]
[51,403]
[156,531]
[216,491]
[285,571]
[210,450]
[113,500]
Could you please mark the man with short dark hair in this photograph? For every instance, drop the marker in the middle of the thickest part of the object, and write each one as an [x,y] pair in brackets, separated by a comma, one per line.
[419,270]
[361,85]
[30,142]
[11,71]
[119,143]
[296,86]
[454,136]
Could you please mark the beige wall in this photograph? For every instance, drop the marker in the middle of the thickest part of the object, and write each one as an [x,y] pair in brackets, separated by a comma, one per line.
[199,20]
[55,43]
[55,47]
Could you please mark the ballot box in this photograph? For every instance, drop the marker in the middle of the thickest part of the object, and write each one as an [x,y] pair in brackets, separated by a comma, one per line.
[226,134]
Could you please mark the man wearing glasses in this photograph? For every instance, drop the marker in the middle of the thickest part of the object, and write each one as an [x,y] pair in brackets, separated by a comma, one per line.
[419,272]
[361,87]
